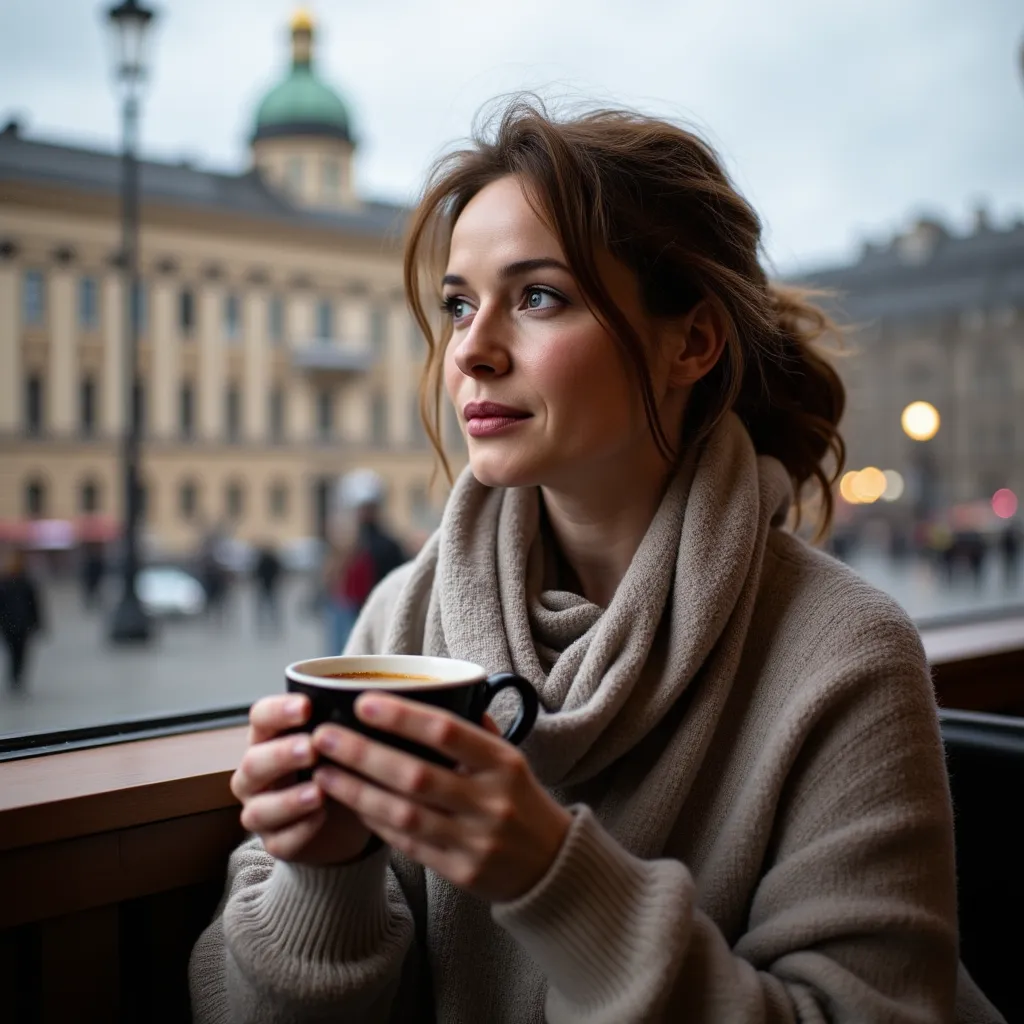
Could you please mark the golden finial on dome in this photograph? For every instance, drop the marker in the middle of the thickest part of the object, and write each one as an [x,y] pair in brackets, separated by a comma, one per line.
[302,21]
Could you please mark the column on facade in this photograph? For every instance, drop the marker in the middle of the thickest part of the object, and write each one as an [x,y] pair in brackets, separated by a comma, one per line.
[212,377]
[112,389]
[61,389]
[256,364]
[11,374]
[402,375]
[165,370]
[298,399]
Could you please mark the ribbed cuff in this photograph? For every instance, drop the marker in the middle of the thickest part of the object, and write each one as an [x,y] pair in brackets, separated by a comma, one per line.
[601,920]
[326,913]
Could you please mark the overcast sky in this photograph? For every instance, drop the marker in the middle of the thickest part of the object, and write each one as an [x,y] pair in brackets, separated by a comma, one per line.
[840,121]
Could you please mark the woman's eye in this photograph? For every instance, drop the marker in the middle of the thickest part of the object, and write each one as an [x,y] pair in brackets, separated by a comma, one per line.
[541,298]
[457,308]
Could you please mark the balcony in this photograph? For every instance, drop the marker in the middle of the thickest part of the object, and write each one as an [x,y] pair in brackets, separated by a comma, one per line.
[324,355]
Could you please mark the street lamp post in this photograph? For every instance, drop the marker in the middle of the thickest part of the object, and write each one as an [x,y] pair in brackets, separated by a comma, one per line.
[129,23]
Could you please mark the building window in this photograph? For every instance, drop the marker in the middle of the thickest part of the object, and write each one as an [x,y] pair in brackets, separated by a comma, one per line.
[35,499]
[276,414]
[331,178]
[140,307]
[139,406]
[378,328]
[324,320]
[34,405]
[33,298]
[187,312]
[88,304]
[186,411]
[275,316]
[277,501]
[379,419]
[188,500]
[325,415]
[232,317]
[87,407]
[295,174]
[89,497]
[233,413]
[234,500]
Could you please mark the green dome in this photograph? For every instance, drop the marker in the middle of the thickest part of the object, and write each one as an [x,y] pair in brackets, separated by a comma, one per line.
[302,104]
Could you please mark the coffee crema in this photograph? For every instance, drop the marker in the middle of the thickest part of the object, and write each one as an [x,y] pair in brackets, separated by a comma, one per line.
[382,677]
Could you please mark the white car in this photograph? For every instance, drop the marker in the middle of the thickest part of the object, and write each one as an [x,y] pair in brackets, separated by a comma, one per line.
[166,592]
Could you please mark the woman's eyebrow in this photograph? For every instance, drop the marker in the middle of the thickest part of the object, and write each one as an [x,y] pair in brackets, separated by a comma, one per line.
[511,270]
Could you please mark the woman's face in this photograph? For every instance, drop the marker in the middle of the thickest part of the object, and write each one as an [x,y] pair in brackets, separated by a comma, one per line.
[542,391]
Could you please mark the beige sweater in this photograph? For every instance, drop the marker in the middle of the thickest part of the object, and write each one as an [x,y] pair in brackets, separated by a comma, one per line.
[748,739]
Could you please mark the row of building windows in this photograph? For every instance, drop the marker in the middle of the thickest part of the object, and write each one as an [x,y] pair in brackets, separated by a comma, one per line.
[325,412]
[34,312]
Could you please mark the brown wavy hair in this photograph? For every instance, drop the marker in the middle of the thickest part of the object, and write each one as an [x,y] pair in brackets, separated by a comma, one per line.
[656,197]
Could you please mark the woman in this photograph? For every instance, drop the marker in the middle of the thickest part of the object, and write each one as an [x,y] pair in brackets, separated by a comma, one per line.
[20,617]
[734,807]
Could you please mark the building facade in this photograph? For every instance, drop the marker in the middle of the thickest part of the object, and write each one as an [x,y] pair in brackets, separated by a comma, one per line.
[936,317]
[276,351]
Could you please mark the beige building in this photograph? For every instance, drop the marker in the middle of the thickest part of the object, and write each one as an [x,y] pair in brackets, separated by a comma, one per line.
[276,349]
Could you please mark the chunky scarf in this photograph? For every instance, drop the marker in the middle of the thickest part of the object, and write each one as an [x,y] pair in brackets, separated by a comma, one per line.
[607,676]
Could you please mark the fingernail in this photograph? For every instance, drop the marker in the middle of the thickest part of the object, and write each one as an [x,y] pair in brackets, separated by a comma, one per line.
[369,708]
[294,706]
[300,748]
[309,795]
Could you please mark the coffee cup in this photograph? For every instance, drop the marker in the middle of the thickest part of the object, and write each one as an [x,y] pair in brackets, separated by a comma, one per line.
[460,687]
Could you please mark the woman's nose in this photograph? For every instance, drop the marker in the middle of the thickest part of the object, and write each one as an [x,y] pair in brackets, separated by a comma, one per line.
[481,352]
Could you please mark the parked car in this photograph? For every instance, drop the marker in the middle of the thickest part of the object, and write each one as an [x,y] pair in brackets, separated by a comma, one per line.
[166,592]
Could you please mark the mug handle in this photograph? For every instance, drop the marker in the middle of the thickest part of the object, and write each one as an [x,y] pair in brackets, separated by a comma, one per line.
[523,723]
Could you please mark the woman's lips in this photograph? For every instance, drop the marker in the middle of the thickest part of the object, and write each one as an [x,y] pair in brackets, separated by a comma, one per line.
[485,419]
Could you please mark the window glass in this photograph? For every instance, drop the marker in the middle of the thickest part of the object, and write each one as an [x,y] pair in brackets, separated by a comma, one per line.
[378,327]
[276,403]
[234,500]
[186,312]
[325,415]
[186,410]
[324,320]
[277,501]
[331,178]
[35,499]
[89,497]
[88,304]
[33,298]
[188,500]
[379,419]
[87,406]
[139,408]
[233,413]
[275,317]
[232,317]
[140,306]
[34,405]
[418,436]
[295,173]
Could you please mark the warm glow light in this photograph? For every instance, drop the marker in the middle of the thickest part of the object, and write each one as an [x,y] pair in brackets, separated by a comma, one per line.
[920,421]
[869,485]
[846,488]
[893,486]
[1004,503]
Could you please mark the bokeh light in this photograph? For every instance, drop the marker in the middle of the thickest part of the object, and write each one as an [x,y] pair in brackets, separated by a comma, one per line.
[894,485]
[1004,503]
[869,485]
[846,488]
[920,421]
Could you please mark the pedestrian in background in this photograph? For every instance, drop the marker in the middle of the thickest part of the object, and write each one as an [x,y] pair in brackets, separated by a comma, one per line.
[362,554]
[20,616]
[267,575]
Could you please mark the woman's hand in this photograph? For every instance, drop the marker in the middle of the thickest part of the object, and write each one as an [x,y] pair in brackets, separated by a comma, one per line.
[293,820]
[488,826]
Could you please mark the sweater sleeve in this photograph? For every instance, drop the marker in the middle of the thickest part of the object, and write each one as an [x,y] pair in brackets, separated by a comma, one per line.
[852,919]
[302,944]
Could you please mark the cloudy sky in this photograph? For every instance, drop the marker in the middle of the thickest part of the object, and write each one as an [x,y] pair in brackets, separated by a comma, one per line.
[840,121]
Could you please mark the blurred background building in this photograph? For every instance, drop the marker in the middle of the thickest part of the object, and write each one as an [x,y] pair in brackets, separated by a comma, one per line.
[937,318]
[276,349]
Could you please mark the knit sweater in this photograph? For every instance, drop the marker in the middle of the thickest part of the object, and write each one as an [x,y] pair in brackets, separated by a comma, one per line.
[748,742]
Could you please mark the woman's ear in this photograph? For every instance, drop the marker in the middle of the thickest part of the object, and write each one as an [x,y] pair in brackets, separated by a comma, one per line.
[697,341]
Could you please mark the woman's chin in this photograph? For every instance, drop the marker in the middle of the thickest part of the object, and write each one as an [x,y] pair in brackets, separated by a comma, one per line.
[493,470]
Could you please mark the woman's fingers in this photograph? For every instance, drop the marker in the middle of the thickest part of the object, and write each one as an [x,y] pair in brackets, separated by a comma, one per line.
[463,742]
[377,807]
[265,764]
[280,808]
[288,842]
[270,716]
[394,769]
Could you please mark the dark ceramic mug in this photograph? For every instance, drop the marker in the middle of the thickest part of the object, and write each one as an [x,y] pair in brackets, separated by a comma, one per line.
[460,687]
